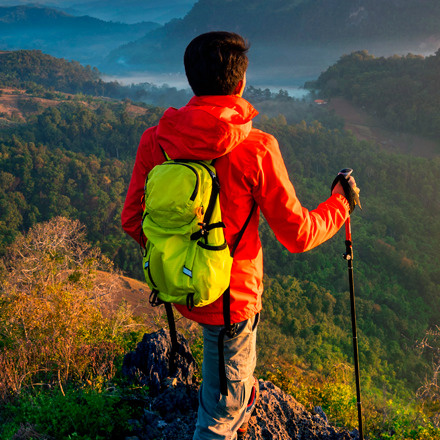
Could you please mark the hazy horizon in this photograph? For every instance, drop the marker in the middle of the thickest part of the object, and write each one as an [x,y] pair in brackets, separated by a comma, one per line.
[148,10]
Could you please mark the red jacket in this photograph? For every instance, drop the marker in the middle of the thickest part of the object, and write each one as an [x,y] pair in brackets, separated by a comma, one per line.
[250,168]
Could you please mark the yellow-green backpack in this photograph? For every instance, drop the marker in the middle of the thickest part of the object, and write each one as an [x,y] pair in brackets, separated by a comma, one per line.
[186,258]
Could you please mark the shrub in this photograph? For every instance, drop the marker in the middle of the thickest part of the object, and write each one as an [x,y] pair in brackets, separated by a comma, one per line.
[78,414]
[58,322]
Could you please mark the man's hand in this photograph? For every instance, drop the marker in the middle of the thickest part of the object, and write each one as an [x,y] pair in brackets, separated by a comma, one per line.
[345,184]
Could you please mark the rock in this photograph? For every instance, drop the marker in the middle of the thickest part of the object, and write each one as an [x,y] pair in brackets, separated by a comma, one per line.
[149,365]
[172,413]
[318,410]
[176,401]
[279,416]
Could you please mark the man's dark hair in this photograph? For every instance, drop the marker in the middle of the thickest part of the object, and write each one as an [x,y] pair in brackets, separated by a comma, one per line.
[215,62]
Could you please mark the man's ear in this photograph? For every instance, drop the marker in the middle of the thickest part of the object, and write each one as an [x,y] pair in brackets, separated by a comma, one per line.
[238,91]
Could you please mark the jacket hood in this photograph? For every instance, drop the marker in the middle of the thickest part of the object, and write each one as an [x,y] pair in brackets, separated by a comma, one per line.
[206,128]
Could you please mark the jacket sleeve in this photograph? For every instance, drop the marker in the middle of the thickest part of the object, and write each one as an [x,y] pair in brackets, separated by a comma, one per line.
[297,228]
[131,217]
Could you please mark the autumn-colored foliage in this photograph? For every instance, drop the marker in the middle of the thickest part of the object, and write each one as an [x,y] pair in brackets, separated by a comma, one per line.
[57,317]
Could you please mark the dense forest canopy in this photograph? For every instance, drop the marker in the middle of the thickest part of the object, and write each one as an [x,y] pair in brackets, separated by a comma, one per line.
[402,91]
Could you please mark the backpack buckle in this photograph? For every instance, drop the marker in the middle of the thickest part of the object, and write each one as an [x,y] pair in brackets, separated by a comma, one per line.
[203,230]
[154,300]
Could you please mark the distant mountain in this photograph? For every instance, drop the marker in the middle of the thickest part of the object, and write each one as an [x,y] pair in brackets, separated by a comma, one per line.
[132,11]
[288,31]
[84,39]
[127,11]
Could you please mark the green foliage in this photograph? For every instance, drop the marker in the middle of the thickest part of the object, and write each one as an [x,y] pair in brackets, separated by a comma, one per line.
[306,306]
[401,91]
[395,242]
[98,128]
[335,393]
[197,352]
[34,67]
[78,414]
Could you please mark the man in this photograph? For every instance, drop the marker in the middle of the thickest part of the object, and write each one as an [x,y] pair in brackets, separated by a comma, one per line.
[217,124]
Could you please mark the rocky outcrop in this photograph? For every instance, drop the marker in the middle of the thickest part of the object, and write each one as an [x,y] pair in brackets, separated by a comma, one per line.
[171,409]
[280,416]
[148,365]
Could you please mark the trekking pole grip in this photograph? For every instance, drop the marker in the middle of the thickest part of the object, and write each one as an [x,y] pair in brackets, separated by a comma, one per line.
[351,195]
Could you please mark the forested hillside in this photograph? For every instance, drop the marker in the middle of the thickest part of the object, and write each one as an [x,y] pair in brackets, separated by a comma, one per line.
[39,73]
[401,91]
[75,158]
[24,68]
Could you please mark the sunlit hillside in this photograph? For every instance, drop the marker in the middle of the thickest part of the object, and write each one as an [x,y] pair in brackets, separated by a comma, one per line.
[70,155]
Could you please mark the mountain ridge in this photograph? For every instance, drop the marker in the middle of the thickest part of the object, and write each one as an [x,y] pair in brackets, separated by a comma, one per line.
[315,32]
[85,38]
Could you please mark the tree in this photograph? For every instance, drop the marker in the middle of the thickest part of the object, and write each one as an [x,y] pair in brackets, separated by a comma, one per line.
[57,317]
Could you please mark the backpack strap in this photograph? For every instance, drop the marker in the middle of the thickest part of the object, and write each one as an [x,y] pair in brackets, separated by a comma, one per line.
[241,233]
[206,227]
[173,336]
[230,329]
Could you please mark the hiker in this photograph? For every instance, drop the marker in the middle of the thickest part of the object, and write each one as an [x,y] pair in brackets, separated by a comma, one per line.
[217,124]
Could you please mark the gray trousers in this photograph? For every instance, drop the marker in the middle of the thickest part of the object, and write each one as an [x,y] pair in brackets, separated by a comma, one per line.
[220,416]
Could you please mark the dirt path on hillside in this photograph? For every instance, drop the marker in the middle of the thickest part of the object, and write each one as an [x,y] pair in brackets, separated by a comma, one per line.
[366,127]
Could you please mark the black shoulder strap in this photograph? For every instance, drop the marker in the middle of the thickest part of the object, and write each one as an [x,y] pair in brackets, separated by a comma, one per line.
[214,194]
[211,205]
[229,329]
[240,234]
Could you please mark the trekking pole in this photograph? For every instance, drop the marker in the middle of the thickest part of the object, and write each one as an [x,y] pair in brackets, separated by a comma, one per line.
[345,174]
[349,257]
